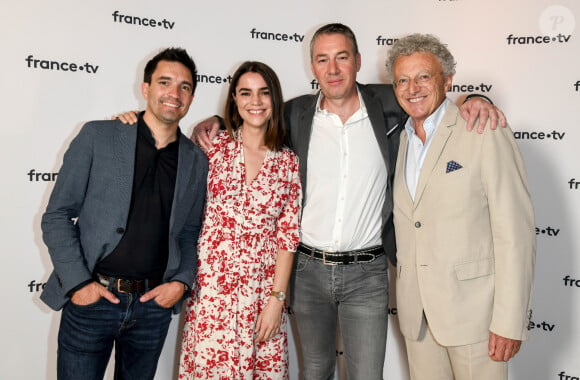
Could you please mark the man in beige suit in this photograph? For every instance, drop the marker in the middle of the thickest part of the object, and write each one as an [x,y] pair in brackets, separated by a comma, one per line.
[464,227]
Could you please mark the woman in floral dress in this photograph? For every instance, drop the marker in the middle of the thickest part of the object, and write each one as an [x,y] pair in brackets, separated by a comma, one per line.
[235,325]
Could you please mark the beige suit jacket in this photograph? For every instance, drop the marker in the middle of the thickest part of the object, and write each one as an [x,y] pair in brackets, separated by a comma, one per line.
[466,244]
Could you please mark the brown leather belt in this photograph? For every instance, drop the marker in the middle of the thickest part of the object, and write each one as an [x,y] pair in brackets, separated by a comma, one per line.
[365,255]
[127,286]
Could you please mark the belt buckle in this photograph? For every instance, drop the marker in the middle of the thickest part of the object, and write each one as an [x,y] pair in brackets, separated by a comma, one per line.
[373,257]
[324,262]
[119,289]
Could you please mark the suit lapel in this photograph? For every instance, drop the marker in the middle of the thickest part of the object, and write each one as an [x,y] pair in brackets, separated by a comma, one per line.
[402,195]
[184,175]
[123,148]
[442,133]
[305,130]
[301,138]
[375,112]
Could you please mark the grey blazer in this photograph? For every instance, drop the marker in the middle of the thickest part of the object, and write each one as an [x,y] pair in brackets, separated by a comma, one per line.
[94,187]
[387,119]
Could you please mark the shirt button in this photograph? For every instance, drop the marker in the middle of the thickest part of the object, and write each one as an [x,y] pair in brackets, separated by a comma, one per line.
[418,224]
[120,230]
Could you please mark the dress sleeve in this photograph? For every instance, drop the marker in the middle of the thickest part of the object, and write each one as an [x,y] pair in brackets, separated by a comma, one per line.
[288,226]
[217,145]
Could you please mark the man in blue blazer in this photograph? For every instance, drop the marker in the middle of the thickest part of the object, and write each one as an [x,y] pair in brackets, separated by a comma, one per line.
[121,228]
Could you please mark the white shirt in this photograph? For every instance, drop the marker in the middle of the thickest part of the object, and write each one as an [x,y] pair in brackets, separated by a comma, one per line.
[416,150]
[346,183]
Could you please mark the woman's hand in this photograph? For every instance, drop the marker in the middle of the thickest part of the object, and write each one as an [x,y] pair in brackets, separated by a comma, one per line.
[269,320]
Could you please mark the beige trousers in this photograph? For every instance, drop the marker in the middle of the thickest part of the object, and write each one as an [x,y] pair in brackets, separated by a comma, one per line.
[428,360]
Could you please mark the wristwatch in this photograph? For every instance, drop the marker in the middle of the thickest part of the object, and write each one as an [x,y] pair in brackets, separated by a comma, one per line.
[280,296]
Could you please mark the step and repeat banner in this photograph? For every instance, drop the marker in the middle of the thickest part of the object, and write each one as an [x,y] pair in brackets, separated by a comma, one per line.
[67,62]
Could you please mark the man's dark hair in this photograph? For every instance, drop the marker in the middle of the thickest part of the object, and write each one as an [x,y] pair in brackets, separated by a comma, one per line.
[335,28]
[171,55]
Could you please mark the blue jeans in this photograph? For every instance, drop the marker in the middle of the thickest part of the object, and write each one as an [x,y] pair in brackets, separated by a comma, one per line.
[357,296]
[87,335]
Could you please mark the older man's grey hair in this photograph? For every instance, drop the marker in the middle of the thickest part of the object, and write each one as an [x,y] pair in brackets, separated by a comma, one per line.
[421,43]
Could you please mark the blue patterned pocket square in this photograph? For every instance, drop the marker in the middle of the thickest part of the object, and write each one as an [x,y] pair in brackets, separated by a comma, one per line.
[452,166]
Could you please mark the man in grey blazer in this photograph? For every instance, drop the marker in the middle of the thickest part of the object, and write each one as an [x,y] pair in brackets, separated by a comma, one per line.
[346,137]
[121,228]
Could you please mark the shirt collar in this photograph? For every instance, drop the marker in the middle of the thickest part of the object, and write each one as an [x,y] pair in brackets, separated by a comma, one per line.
[431,123]
[359,114]
[144,130]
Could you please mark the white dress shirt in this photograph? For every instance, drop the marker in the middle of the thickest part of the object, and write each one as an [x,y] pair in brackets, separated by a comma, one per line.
[416,150]
[346,183]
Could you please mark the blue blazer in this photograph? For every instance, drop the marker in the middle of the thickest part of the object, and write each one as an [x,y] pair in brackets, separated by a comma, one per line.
[89,206]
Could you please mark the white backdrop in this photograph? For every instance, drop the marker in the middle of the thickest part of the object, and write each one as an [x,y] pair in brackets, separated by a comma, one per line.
[66,62]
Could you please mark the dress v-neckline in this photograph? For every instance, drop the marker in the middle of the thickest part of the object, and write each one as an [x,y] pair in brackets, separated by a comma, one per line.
[243,162]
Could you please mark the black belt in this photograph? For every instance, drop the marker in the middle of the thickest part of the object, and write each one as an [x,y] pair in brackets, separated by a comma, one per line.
[365,255]
[127,286]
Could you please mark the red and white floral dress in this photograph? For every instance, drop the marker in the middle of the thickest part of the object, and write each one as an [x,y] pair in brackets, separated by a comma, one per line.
[244,226]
